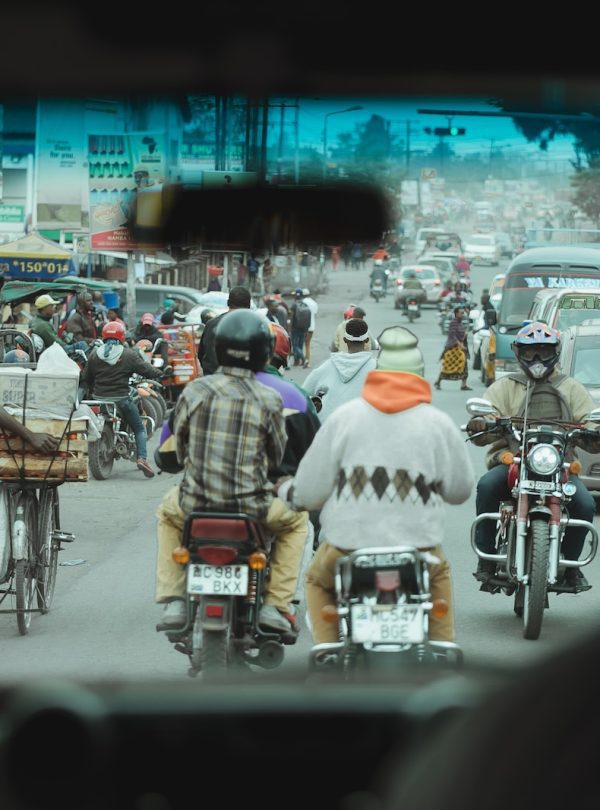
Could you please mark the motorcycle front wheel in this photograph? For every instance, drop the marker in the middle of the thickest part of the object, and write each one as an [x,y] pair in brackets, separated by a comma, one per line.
[534,594]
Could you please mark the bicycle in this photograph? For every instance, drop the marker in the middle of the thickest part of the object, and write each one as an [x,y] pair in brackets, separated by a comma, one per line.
[31,540]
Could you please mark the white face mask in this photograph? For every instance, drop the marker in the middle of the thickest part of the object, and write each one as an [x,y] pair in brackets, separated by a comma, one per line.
[538,371]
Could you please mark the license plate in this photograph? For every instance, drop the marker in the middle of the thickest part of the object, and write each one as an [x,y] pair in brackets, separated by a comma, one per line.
[544,486]
[413,307]
[218,580]
[397,625]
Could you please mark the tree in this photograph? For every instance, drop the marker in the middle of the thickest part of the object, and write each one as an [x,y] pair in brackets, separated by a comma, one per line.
[586,194]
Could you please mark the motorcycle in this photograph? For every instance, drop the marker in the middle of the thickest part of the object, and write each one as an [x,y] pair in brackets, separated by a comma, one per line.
[530,526]
[377,290]
[412,308]
[117,439]
[226,559]
[382,609]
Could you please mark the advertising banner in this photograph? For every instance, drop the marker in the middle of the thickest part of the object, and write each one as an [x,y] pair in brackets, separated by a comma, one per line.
[126,175]
[34,257]
[60,172]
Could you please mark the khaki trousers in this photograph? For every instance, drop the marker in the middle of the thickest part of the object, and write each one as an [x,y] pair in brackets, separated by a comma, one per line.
[290,530]
[320,591]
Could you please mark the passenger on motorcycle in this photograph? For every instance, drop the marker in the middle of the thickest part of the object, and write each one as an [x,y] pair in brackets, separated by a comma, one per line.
[230,432]
[146,330]
[106,376]
[549,394]
[81,323]
[386,489]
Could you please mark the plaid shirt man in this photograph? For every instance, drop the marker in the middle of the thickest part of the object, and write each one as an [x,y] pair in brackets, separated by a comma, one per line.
[230,430]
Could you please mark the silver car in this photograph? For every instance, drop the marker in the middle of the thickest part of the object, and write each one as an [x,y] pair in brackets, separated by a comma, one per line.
[429,277]
[580,359]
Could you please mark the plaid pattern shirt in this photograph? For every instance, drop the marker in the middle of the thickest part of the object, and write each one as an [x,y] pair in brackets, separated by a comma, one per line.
[229,430]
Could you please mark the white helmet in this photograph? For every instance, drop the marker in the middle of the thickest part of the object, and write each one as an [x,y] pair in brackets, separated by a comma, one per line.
[378,262]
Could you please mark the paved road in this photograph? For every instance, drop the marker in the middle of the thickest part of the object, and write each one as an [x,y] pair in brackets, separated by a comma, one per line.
[102,623]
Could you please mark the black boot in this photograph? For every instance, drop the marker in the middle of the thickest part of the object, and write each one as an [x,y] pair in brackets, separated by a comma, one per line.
[485,570]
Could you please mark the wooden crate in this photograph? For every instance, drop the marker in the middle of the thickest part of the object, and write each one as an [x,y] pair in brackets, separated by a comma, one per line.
[68,463]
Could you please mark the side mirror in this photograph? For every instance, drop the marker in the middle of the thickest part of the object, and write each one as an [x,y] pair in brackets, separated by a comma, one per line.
[594,416]
[477,406]
[317,402]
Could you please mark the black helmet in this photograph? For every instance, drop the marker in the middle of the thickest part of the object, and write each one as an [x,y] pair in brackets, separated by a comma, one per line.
[243,339]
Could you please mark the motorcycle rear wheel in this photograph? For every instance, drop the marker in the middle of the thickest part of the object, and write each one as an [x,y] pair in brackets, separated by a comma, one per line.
[101,454]
[534,595]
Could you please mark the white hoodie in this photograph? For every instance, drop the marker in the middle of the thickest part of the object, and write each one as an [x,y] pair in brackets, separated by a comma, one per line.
[342,376]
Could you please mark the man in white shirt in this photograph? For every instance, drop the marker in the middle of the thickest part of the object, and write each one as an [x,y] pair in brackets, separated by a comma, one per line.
[314,308]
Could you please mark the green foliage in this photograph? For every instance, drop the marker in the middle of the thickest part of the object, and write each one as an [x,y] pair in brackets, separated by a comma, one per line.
[586,195]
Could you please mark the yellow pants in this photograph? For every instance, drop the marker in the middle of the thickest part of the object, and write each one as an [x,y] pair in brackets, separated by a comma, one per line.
[290,530]
[320,591]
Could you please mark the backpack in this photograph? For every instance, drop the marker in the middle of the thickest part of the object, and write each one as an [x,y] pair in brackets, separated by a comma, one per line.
[302,316]
[545,399]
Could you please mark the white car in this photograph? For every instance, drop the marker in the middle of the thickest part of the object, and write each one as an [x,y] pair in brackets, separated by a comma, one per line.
[215,301]
[482,248]
[429,277]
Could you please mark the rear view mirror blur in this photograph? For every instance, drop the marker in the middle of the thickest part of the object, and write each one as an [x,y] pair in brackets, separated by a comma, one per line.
[261,216]
[477,406]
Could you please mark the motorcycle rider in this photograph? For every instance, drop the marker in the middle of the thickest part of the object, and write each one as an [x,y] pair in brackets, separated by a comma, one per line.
[230,432]
[81,323]
[238,298]
[146,330]
[378,273]
[388,489]
[536,347]
[342,375]
[413,287]
[106,375]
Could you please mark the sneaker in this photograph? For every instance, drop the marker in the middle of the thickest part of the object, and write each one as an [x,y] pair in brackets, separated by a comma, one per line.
[274,619]
[142,464]
[485,570]
[574,578]
[174,614]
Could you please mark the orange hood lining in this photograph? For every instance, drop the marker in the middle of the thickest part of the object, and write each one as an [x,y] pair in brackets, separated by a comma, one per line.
[394,391]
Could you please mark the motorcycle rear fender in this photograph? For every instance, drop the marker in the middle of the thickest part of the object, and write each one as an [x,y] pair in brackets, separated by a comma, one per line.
[216,622]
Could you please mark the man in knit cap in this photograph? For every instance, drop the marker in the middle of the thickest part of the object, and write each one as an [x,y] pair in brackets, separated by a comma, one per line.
[389,489]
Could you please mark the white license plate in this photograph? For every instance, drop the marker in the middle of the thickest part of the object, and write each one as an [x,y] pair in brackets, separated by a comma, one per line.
[217,580]
[413,307]
[544,486]
[397,625]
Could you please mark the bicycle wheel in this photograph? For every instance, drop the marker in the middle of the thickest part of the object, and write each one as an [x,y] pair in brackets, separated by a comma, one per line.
[24,532]
[47,547]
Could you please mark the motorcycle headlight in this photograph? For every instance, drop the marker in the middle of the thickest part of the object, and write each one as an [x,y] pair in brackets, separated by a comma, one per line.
[543,459]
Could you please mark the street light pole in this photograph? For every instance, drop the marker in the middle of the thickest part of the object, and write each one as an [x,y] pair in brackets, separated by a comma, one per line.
[335,112]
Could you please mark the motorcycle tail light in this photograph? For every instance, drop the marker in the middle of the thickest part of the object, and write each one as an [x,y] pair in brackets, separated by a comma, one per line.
[181,555]
[216,555]
[387,580]
[439,608]
[257,560]
[213,611]
[575,467]
[329,613]
[507,458]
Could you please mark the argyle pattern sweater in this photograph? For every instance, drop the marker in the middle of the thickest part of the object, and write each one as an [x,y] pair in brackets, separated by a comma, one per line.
[383,466]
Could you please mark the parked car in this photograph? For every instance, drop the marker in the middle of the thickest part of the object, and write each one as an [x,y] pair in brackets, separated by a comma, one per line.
[150,297]
[482,248]
[217,301]
[580,359]
[429,277]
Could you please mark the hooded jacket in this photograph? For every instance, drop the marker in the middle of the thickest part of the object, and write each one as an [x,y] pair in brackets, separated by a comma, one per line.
[109,368]
[383,466]
[342,377]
